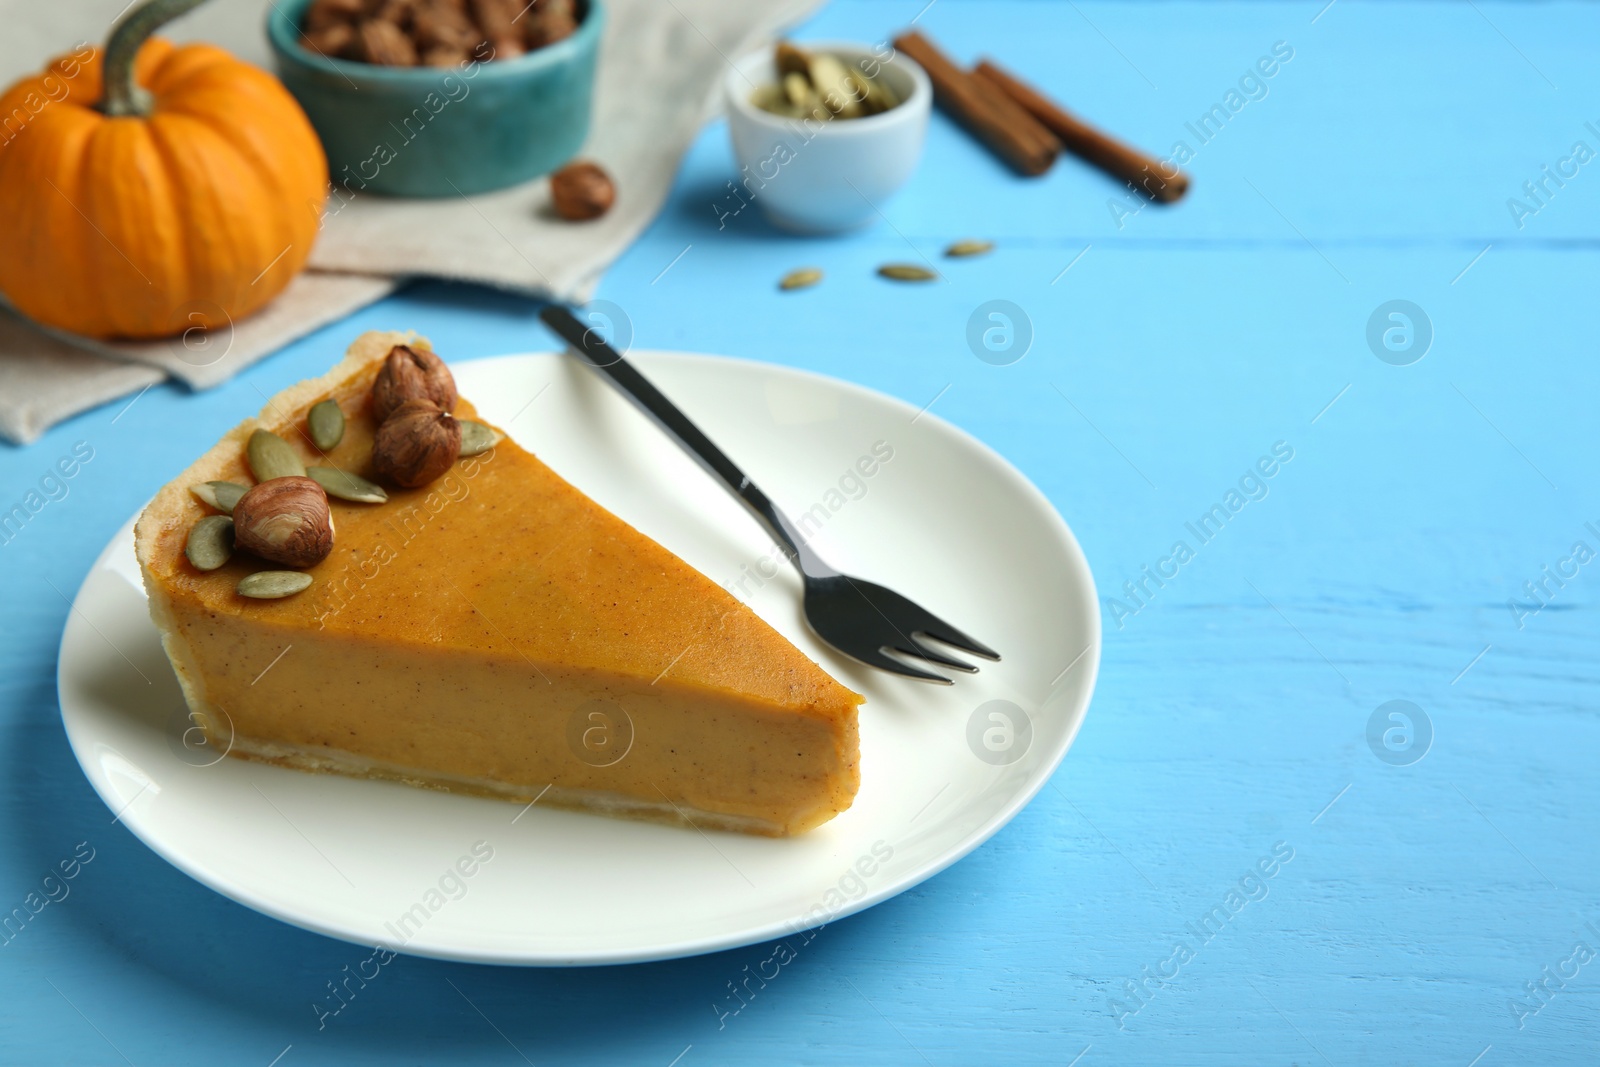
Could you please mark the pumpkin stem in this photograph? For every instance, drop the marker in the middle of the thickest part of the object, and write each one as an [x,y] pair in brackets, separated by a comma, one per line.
[124,95]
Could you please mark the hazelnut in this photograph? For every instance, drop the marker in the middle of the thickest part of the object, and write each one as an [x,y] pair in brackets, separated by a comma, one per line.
[417,443]
[335,41]
[385,43]
[582,191]
[412,374]
[549,21]
[285,520]
[441,26]
[325,13]
[444,56]
[506,48]
[498,20]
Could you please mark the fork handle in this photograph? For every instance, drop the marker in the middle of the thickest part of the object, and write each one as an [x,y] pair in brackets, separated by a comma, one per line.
[600,356]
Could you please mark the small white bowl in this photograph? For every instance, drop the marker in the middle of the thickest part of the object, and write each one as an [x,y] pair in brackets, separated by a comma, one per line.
[825,177]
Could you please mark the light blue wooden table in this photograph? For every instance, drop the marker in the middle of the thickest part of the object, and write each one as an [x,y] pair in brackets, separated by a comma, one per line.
[1441,899]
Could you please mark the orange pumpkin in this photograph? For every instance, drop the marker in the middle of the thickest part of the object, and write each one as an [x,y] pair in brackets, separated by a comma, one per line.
[170,188]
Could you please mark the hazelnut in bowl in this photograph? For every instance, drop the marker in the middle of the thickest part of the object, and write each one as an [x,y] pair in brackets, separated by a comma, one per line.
[432,98]
[824,133]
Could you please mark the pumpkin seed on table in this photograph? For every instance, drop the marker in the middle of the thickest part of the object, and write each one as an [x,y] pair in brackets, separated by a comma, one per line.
[210,542]
[220,495]
[346,486]
[273,585]
[326,423]
[476,438]
[906,272]
[800,279]
[969,248]
[271,457]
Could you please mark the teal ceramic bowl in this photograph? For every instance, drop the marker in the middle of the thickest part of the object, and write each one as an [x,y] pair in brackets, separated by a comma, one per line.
[425,131]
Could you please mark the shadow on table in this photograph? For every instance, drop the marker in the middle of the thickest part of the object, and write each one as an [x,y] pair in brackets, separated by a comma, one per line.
[710,209]
[136,912]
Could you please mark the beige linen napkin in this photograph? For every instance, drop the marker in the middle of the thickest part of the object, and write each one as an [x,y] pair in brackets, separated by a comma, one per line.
[661,65]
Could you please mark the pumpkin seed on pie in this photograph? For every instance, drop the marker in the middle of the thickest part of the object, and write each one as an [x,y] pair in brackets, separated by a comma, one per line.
[210,542]
[346,486]
[272,457]
[326,422]
[219,495]
[476,438]
[273,585]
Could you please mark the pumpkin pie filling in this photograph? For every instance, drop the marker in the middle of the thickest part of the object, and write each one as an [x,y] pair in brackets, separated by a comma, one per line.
[496,632]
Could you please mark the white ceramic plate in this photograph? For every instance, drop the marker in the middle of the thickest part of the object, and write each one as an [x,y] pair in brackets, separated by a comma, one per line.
[944,520]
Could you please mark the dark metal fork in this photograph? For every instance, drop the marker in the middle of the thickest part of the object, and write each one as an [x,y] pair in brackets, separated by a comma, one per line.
[863,620]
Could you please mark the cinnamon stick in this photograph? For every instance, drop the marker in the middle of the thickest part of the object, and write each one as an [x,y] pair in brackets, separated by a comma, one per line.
[988,114]
[1143,172]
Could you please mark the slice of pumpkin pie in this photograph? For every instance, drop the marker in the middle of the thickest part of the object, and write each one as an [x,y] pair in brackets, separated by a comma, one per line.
[366,580]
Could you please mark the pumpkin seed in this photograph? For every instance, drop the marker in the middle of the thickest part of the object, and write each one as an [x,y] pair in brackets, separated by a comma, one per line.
[791,60]
[271,585]
[271,457]
[476,438]
[773,99]
[882,97]
[830,81]
[797,89]
[969,248]
[800,279]
[905,272]
[219,495]
[347,486]
[821,86]
[326,423]
[210,542]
